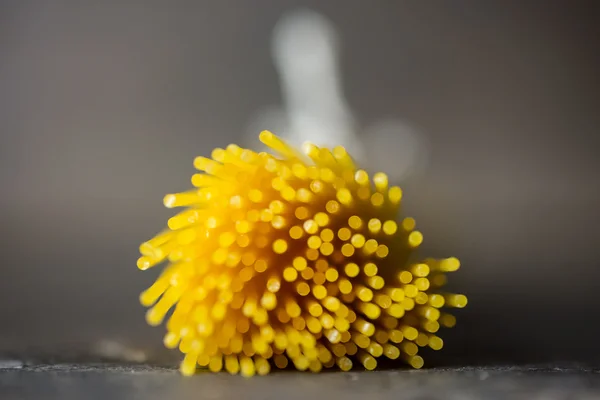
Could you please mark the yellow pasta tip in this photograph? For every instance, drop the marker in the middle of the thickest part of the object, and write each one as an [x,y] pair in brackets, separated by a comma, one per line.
[293,258]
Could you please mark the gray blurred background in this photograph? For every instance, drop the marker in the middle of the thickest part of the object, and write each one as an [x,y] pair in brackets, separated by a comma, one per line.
[104,105]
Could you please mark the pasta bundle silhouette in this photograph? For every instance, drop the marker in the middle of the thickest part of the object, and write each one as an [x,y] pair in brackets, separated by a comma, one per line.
[293,258]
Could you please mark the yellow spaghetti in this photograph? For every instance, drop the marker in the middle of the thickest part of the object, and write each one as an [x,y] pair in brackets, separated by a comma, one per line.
[297,259]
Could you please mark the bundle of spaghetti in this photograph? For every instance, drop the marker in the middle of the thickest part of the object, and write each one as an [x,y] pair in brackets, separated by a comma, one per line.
[293,258]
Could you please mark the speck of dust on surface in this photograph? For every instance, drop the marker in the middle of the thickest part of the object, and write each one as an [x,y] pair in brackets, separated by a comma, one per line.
[71,381]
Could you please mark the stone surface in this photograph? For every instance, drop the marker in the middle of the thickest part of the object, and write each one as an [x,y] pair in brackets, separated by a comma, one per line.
[22,380]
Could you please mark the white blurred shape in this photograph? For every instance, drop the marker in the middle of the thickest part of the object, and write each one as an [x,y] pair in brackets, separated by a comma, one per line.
[396,148]
[305,51]
[115,350]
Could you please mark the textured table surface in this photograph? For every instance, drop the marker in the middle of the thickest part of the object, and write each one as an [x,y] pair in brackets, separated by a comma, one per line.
[20,380]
